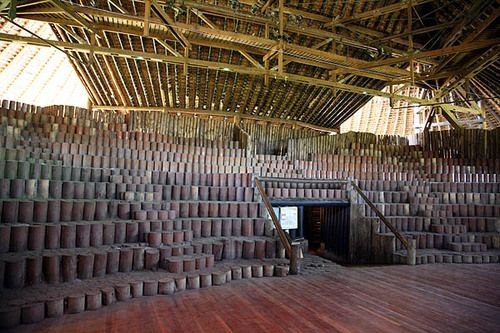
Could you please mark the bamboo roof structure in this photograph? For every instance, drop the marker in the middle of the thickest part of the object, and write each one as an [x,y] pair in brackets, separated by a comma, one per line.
[313,62]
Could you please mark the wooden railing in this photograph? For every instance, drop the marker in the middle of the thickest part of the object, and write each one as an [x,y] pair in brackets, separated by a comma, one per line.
[381,216]
[282,235]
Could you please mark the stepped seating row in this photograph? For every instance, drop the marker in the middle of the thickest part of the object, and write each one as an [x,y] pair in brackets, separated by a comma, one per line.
[22,237]
[305,193]
[91,295]
[67,264]
[439,256]
[441,165]
[448,225]
[53,210]
[56,189]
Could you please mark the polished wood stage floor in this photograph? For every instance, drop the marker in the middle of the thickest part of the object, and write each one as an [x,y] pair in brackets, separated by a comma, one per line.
[429,298]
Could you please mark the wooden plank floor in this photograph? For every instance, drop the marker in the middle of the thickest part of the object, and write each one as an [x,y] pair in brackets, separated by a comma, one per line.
[428,298]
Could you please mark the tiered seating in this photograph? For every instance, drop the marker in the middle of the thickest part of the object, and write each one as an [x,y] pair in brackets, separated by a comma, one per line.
[449,206]
[92,214]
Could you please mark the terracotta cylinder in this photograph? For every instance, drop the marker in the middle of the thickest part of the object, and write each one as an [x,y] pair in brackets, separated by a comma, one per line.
[52,236]
[216,228]
[54,211]
[51,268]
[126,260]
[31,188]
[68,190]
[101,210]
[83,235]
[207,248]
[36,237]
[236,227]
[180,282]
[17,188]
[227,227]
[120,232]
[210,260]
[152,258]
[281,271]
[205,279]
[89,210]
[166,286]
[218,278]
[218,249]
[100,262]
[154,239]
[66,210]
[260,248]
[258,227]
[150,287]
[4,238]
[43,189]
[25,212]
[69,263]
[33,313]
[108,296]
[93,300]
[54,307]
[246,271]
[193,281]
[122,292]
[79,190]
[10,169]
[9,211]
[75,303]
[233,210]
[206,228]
[228,250]
[55,189]
[248,249]
[270,248]
[40,211]
[175,265]
[200,262]
[33,270]
[10,317]
[132,230]
[108,230]
[189,264]
[68,236]
[236,273]
[89,190]
[238,248]
[247,227]
[77,211]
[113,261]
[257,271]
[124,210]
[138,261]
[85,266]
[96,234]
[137,289]
[19,237]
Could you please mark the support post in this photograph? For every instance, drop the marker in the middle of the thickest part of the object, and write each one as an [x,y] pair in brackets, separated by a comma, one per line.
[412,252]
[295,258]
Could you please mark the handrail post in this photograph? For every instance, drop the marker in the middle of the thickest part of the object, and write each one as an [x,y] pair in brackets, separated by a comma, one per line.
[295,258]
[412,252]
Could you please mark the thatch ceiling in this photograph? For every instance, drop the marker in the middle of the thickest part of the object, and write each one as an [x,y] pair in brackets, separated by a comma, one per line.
[325,59]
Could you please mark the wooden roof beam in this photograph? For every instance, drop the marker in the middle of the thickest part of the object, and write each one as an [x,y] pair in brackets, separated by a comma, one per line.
[376,12]
[213,26]
[74,15]
[170,24]
[136,55]
[466,47]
